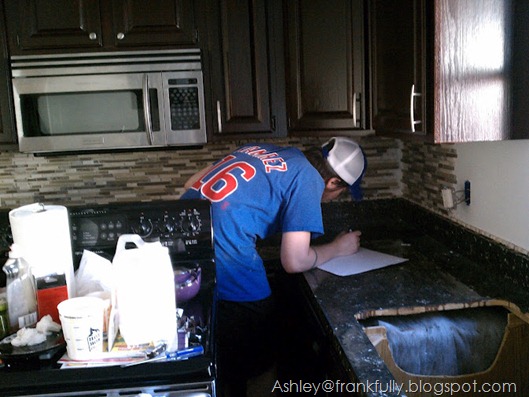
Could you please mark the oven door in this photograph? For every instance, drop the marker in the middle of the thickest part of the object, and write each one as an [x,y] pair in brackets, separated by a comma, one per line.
[89,112]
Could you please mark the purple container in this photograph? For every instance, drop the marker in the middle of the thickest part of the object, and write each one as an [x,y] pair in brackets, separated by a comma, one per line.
[187,283]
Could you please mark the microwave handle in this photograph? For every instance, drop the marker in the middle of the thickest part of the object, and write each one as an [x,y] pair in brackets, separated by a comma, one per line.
[147,109]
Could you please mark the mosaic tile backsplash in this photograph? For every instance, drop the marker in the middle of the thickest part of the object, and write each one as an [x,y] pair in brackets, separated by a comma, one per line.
[102,178]
[413,170]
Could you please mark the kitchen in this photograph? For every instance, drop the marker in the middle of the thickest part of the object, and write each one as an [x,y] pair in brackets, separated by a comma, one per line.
[404,169]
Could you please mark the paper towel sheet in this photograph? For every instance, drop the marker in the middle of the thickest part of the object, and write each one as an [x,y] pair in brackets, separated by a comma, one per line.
[363,261]
[43,233]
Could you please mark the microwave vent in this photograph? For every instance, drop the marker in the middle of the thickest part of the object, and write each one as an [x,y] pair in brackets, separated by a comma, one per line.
[108,62]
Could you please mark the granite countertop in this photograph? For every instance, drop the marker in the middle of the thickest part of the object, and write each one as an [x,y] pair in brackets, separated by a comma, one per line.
[418,284]
[436,276]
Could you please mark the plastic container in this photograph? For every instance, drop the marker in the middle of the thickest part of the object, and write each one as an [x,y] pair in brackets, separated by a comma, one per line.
[20,291]
[82,326]
[145,292]
[4,317]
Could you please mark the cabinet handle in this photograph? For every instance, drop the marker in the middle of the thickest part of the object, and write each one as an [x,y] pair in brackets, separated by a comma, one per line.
[219,116]
[413,122]
[92,36]
[354,108]
[147,109]
[120,36]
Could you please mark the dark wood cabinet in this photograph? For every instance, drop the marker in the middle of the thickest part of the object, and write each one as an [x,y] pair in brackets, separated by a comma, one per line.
[245,68]
[457,54]
[473,70]
[37,26]
[53,24]
[153,23]
[521,71]
[399,66]
[325,66]
[307,346]
[7,131]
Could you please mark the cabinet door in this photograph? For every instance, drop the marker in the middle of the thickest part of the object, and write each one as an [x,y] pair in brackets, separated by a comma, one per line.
[325,65]
[7,130]
[521,71]
[472,75]
[53,24]
[246,75]
[399,66]
[153,23]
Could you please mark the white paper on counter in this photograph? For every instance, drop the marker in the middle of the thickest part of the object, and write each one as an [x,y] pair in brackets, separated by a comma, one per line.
[362,261]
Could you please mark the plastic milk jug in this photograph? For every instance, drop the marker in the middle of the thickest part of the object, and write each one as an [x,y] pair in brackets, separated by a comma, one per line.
[145,294]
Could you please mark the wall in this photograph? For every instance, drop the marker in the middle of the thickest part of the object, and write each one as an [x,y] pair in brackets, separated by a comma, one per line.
[152,175]
[499,175]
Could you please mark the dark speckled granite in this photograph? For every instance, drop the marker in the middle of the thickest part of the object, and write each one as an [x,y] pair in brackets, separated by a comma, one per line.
[418,282]
[489,267]
[447,265]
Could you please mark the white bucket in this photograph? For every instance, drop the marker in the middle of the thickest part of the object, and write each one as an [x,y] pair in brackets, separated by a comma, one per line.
[82,326]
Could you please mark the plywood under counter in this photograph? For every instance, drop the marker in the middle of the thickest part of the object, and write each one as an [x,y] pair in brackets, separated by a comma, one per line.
[507,373]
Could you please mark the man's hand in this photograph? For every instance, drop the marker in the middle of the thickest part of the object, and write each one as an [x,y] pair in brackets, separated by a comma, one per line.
[297,255]
[347,243]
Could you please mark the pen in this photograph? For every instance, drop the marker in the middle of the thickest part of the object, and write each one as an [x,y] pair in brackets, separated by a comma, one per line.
[172,356]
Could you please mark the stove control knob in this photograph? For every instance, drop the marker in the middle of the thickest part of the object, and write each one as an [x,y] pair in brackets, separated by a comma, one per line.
[185,225]
[189,224]
[167,224]
[144,227]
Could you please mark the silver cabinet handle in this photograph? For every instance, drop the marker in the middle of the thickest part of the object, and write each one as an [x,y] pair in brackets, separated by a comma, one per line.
[413,94]
[354,108]
[219,116]
[147,109]
[92,36]
[120,36]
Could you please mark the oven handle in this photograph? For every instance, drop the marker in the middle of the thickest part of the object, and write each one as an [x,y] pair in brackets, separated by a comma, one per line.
[147,109]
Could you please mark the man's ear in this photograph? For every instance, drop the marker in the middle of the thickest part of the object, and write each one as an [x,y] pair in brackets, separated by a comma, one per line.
[334,183]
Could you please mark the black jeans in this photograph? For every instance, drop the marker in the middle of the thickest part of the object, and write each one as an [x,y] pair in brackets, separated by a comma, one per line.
[245,343]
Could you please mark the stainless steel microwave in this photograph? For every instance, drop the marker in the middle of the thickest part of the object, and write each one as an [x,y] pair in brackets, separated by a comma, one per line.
[105,101]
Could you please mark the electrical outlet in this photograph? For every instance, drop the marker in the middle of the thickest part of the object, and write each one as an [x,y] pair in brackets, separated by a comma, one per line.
[467,192]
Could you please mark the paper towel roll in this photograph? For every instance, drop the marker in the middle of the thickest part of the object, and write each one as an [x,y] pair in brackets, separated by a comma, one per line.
[43,233]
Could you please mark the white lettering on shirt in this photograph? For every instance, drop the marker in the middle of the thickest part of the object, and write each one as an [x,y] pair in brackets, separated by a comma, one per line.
[270,160]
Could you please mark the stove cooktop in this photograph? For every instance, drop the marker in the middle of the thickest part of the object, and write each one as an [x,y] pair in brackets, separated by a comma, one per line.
[185,228]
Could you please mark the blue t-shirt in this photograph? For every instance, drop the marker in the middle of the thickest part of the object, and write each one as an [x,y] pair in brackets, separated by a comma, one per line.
[257,191]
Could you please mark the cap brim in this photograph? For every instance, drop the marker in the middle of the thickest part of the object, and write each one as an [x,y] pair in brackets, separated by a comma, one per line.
[356,190]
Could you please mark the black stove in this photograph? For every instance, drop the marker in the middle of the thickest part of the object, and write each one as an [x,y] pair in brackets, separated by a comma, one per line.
[184,226]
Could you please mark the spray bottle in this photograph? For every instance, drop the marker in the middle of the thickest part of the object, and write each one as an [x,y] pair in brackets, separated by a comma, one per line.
[20,291]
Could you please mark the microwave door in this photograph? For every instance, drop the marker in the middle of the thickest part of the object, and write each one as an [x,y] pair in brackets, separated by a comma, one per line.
[88,112]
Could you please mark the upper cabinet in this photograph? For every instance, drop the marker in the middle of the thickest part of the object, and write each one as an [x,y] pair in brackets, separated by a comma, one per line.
[325,67]
[399,65]
[521,70]
[245,68]
[451,62]
[37,26]
[7,130]
[473,70]
[153,23]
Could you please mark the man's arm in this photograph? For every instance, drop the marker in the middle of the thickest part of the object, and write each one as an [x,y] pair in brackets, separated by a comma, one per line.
[195,177]
[297,255]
